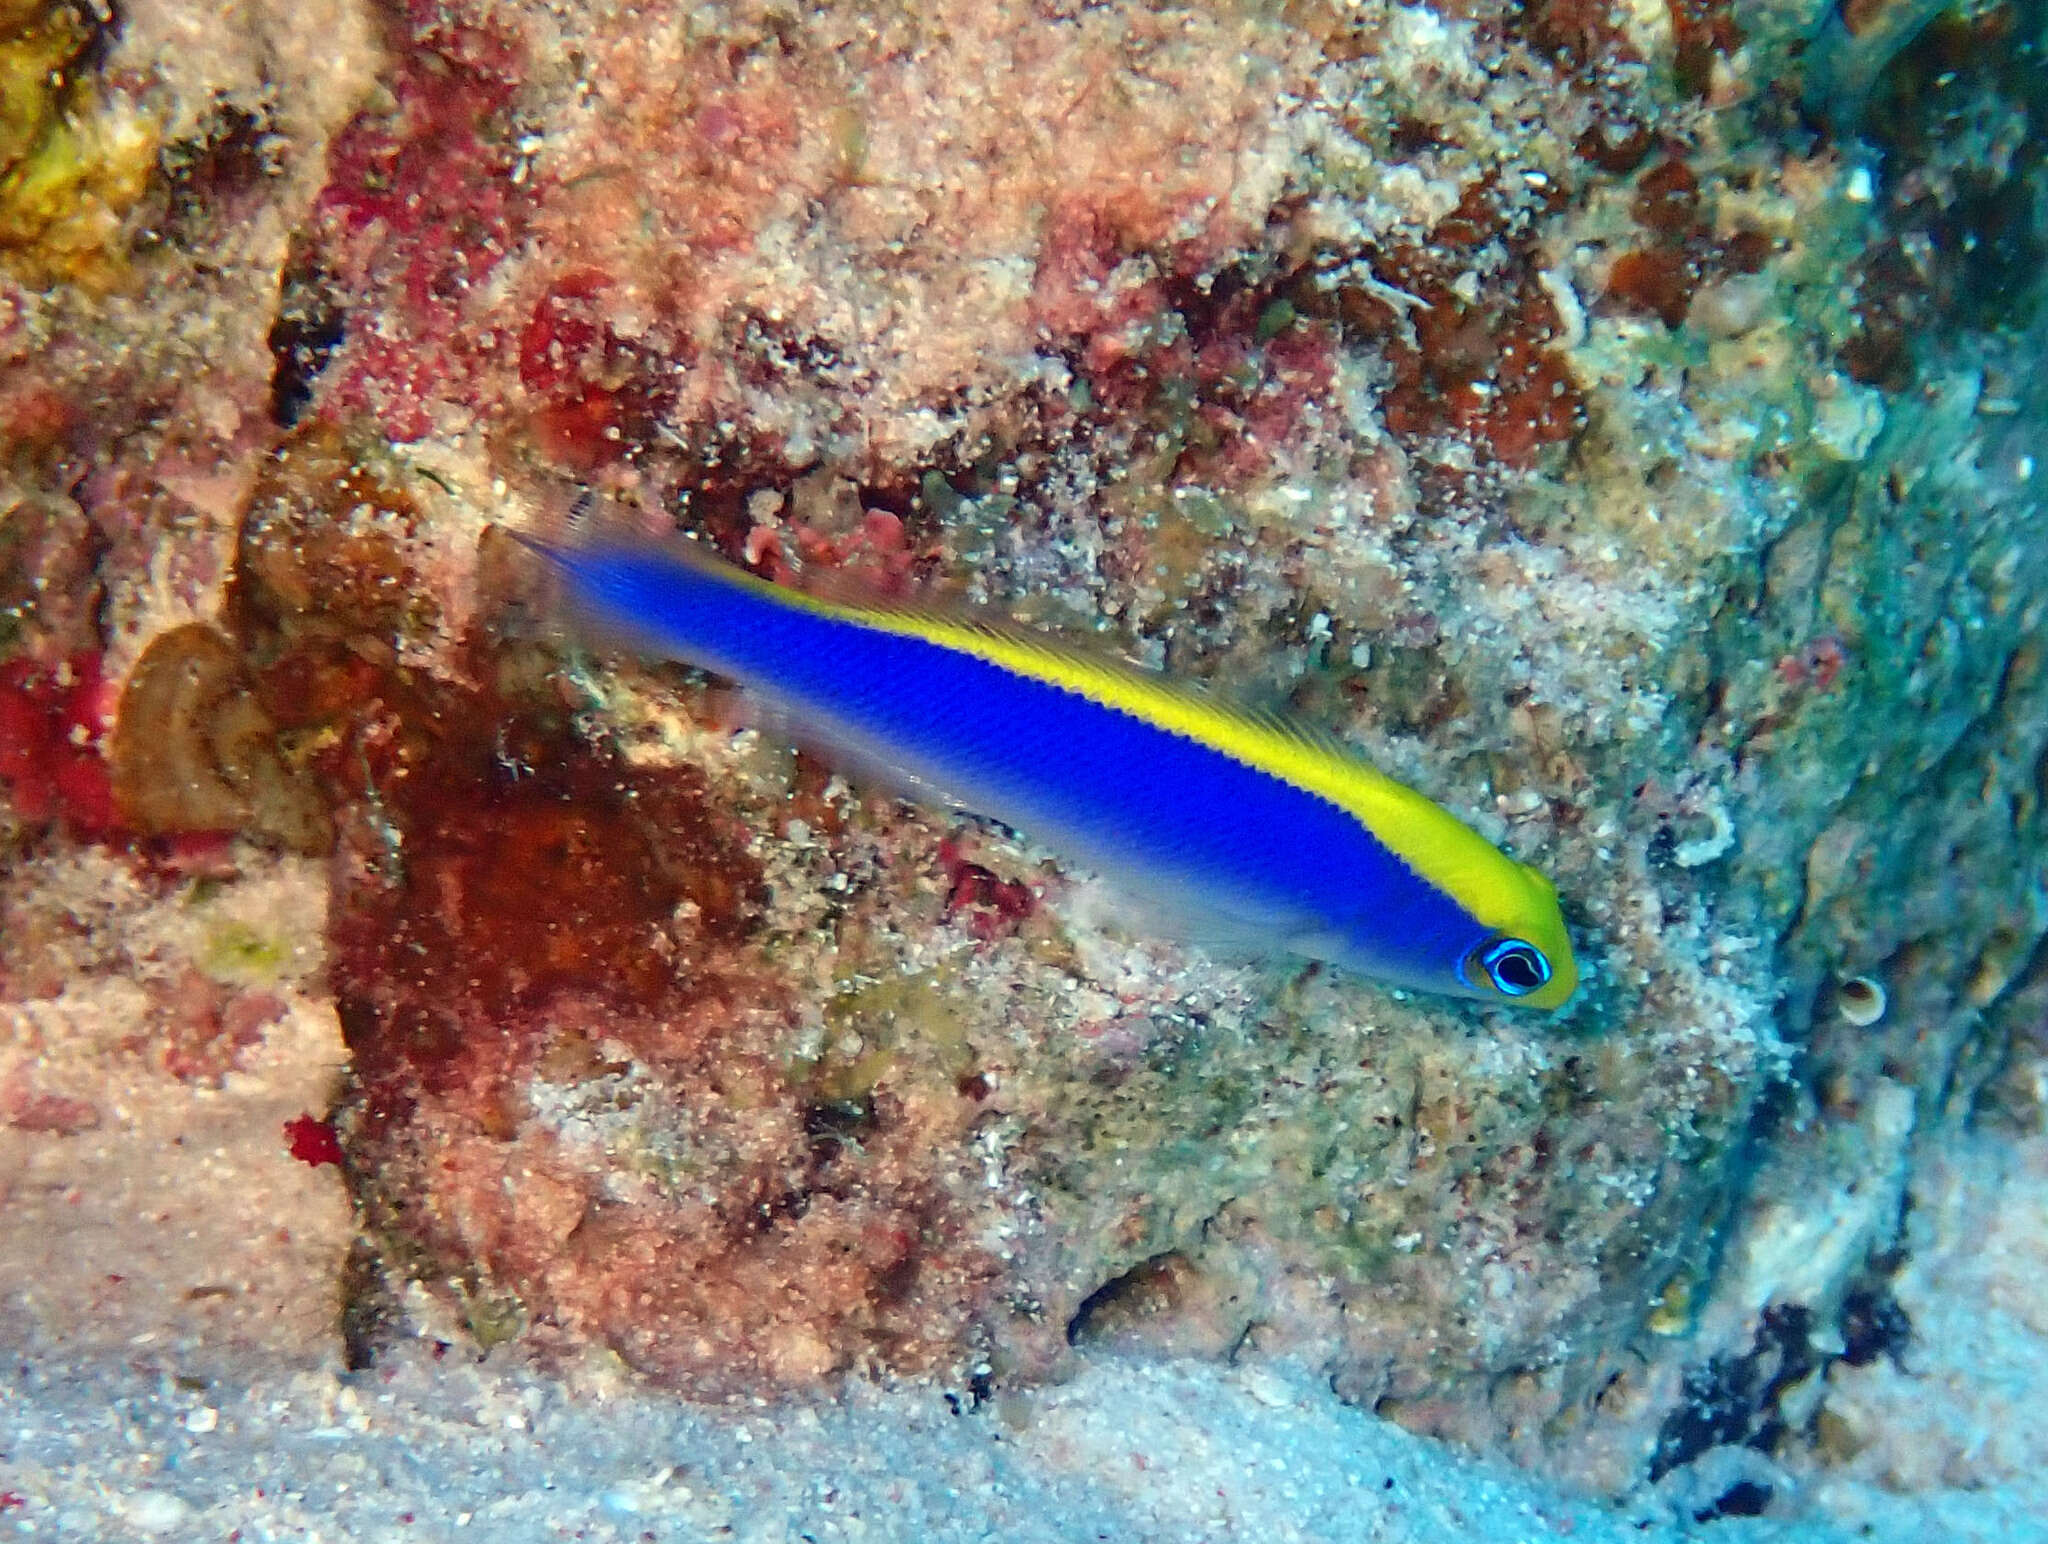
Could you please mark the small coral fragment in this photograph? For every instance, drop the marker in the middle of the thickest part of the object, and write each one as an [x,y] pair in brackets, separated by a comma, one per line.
[1861,1000]
[194,751]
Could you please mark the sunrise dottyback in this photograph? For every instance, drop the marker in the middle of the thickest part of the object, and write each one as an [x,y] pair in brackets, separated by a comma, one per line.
[1251,827]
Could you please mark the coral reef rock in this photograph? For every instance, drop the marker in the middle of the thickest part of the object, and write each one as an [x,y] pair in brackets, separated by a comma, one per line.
[1613,420]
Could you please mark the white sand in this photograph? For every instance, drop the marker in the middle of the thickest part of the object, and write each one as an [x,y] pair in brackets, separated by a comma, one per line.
[424,1449]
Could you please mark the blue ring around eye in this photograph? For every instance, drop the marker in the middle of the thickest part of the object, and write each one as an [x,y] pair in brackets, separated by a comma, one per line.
[1516,968]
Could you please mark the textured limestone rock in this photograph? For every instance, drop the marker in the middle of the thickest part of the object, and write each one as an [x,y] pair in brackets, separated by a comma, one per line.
[1525,392]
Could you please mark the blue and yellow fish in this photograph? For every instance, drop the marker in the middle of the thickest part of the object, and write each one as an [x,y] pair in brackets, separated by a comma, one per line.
[1248,824]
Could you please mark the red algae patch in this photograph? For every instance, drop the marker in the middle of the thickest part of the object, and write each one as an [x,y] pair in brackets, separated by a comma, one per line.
[573,1076]
[51,718]
[845,210]
[420,208]
[26,1107]
[576,1089]
[1484,372]
[312,1141]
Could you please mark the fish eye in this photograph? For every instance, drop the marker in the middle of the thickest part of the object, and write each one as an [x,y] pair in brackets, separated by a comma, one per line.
[1515,968]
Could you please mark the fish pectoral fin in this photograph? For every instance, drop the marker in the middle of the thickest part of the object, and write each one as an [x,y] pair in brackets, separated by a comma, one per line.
[1317,941]
[1223,938]
[870,766]
[1145,904]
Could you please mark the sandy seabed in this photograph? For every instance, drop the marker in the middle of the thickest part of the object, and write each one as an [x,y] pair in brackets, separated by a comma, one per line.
[420,1449]
[433,1442]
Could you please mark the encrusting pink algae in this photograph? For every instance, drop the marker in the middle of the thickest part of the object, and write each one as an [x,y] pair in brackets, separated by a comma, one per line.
[1535,394]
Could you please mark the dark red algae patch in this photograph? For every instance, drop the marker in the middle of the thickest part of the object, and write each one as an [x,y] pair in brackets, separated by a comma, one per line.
[993,907]
[1482,371]
[1701,32]
[594,393]
[573,1084]
[312,1141]
[1681,253]
[493,865]
[1232,372]
[576,1089]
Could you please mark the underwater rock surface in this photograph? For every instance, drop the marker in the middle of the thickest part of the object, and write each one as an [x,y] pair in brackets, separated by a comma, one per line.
[1544,396]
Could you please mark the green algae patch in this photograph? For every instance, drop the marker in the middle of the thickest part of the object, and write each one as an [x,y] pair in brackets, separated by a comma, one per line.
[913,1023]
[74,157]
[238,954]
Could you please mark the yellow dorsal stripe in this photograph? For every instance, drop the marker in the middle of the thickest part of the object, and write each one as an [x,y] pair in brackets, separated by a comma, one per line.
[1440,848]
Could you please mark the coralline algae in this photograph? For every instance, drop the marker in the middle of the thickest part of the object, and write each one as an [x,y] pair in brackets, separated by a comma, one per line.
[1526,391]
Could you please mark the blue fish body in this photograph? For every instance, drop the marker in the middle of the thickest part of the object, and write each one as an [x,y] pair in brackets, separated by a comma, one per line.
[1220,813]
